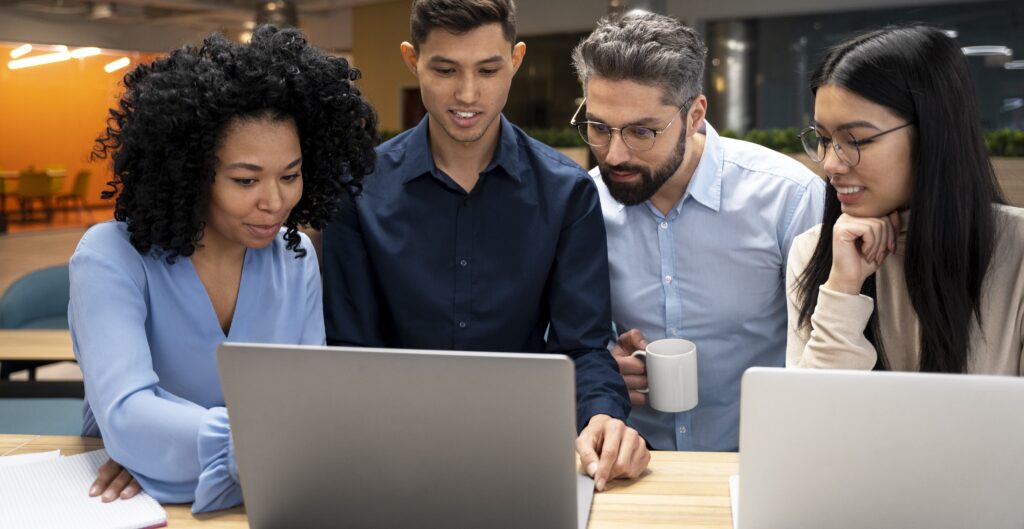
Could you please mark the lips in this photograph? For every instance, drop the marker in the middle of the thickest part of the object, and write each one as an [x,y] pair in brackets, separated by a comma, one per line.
[849,194]
[620,176]
[264,231]
[465,118]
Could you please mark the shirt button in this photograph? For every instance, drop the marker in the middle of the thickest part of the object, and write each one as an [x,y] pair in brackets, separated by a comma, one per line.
[682,429]
[668,279]
[463,262]
[664,225]
[462,324]
[675,332]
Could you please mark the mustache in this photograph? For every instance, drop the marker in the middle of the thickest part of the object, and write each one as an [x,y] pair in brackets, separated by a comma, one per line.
[624,168]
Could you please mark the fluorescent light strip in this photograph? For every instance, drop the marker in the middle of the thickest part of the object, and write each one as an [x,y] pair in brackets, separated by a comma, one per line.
[117,65]
[84,52]
[39,59]
[987,51]
[1014,65]
[21,50]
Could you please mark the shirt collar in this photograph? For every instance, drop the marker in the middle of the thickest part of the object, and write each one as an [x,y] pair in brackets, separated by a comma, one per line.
[706,183]
[417,159]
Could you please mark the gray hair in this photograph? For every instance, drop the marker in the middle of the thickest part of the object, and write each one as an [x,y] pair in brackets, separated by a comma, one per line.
[646,48]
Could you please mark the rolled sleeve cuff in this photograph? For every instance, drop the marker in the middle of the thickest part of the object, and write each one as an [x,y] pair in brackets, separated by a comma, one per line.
[601,405]
[218,486]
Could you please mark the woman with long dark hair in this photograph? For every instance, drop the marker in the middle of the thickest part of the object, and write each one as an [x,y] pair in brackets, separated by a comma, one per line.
[917,263]
[219,153]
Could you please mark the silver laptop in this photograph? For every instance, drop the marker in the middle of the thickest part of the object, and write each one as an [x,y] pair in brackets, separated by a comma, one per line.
[388,438]
[838,449]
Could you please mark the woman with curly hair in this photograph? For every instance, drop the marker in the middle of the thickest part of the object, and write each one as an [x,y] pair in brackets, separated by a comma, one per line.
[219,154]
[916,266]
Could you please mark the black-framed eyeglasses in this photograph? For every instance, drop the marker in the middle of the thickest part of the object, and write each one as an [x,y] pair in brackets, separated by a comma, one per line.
[636,137]
[844,143]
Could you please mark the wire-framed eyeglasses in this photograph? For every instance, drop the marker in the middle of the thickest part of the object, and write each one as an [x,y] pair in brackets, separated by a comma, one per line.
[636,137]
[844,143]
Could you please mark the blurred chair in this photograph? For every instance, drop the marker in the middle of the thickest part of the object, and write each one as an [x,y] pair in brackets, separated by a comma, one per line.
[56,172]
[37,300]
[34,186]
[79,190]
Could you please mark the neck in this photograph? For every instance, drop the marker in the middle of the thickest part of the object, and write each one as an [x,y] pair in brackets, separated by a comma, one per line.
[463,161]
[675,187]
[214,249]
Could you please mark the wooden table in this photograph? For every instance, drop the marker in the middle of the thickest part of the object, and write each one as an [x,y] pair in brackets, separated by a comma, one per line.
[36,344]
[681,489]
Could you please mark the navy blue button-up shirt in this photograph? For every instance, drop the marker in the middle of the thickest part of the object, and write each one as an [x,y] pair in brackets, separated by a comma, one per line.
[419,263]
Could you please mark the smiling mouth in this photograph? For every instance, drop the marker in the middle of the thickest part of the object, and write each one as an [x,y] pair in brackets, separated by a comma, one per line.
[848,190]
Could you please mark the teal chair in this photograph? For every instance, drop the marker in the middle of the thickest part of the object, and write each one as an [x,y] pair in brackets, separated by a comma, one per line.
[38,300]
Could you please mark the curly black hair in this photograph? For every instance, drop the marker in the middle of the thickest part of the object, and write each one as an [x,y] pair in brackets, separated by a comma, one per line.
[171,118]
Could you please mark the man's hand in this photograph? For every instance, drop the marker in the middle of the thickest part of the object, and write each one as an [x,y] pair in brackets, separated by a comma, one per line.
[609,449]
[633,369]
[114,482]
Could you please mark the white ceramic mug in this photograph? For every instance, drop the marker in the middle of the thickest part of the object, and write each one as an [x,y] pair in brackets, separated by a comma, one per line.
[671,374]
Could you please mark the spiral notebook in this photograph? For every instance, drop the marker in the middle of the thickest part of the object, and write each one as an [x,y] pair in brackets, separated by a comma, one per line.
[46,490]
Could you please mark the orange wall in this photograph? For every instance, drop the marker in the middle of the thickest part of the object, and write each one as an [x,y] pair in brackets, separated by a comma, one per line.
[52,113]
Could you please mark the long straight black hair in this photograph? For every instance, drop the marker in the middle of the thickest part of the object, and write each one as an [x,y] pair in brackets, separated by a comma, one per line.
[920,74]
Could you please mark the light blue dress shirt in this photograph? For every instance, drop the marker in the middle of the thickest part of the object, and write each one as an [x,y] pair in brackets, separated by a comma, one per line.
[145,334]
[712,271]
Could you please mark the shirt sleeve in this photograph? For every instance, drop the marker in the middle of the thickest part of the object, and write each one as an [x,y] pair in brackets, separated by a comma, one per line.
[807,211]
[835,338]
[580,305]
[313,332]
[177,450]
[351,295]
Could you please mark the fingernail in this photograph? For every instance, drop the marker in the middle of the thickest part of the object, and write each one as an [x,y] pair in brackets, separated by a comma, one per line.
[592,469]
[124,494]
[108,496]
[600,485]
[95,490]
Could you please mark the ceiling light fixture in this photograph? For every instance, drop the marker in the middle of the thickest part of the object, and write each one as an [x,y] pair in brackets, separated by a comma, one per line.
[84,52]
[114,66]
[39,59]
[21,50]
[987,51]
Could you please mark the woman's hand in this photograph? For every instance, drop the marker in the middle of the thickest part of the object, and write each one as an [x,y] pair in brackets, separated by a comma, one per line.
[859,245]
[114,482]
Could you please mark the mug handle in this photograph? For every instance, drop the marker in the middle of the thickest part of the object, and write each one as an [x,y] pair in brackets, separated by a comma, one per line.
[642,353]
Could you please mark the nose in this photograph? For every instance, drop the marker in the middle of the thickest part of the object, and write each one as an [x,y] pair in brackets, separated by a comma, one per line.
[467,91]
[618,152]
[270,199]
[832,164]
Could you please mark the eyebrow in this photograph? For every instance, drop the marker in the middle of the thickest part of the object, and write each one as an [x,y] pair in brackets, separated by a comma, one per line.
[439,59]
[256,168]
[642,122]
[849,125]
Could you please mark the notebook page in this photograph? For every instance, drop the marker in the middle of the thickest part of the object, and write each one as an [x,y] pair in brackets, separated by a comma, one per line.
[21,459]
[54,493]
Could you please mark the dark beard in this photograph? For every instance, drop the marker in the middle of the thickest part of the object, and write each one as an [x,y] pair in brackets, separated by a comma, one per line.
[633,194]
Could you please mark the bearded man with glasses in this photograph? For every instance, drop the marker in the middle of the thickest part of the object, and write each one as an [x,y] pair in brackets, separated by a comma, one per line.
[699,226]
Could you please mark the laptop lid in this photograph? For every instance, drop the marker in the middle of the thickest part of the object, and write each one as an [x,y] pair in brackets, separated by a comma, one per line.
[332,436]
[824,448]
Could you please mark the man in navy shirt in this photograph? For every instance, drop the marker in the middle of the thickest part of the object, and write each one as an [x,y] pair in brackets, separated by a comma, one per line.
[472,236]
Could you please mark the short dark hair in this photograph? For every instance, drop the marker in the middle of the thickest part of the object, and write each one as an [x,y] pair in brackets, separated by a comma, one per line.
[163,135]
[460,16]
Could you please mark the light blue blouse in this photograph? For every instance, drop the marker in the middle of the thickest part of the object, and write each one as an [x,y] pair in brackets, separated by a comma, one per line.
[145,335]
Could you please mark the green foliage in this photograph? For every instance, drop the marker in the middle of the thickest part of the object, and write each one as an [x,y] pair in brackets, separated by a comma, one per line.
[564,137]
[782,140]
[1005,142]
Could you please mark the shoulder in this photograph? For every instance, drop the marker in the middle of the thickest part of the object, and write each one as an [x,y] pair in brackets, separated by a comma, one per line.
[757,161]
[549,164]
[110,240]
[1010,225]
[803,246]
